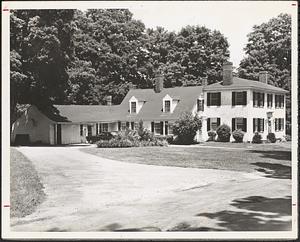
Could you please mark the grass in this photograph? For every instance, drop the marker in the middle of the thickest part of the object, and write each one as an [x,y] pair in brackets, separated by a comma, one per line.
[243,157]
[26,189]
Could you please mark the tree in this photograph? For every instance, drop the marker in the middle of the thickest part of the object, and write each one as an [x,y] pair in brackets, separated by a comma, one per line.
[186,127]
[269,49]
[41,49]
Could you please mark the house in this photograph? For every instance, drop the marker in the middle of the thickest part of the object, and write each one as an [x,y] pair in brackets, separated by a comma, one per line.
[253,106]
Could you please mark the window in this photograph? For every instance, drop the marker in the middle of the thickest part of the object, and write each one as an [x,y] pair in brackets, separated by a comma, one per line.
[81,130]
[123,125]
[213,123]
[167,106]
[279,101]
[133,107]
[170,129]
[200,105]
[132,125]
[239,98]
[214,99]
[157,127]
[258,125]
[279,124]
[239,123]
[103,127]
[258,99]
[270,100]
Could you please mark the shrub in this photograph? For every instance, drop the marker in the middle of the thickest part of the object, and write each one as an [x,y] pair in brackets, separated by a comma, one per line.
[186,128]
[271,137]
[257,138]
[288,137]
[114,143]
[238,135]
[212,135]
[223,132]
[102,136]
[143,133]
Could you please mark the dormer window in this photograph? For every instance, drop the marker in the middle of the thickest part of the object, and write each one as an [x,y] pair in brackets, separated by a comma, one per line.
[133,107]
[167,106]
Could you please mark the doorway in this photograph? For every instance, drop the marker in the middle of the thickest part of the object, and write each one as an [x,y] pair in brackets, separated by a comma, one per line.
[58,134]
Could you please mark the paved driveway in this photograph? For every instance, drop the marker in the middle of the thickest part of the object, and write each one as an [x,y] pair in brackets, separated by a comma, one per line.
[88,193]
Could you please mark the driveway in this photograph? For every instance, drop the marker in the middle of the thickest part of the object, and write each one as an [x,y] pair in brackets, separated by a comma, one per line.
[88,193]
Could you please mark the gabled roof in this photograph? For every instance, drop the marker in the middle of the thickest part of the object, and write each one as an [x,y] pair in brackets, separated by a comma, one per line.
[152,108]
[240,83]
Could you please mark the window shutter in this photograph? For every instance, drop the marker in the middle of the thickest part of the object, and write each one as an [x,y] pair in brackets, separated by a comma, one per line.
[208,124]
[119,126]
[263,99]
[218,122]
[245,124]
[282,124]
[254,94]
[245,98]
[233,124]
[152,127]
[282,100]
[161,128]
[254,120]
[219,99]
[262,128]
[233,99]
[166,128]
[208,99]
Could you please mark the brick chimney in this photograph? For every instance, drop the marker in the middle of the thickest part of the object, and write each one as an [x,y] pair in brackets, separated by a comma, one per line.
[159,83]
[227,73]
[263,76]
[108,100]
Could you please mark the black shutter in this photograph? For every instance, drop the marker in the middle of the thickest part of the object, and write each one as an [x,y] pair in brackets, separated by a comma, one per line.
[258,124]
[245,124]
[161,128]
[276,101]
[253,125]
[208,99]
[119,126]
[166,128]
[282,100]
[152,127]
[219,99]
[263,99]
[245,98]
[233,124]
[218,122]
[208,124]
[132,125]
[254,95]
[233,99]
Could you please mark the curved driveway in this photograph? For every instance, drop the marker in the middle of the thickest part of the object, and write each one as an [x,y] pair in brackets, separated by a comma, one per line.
[88,193]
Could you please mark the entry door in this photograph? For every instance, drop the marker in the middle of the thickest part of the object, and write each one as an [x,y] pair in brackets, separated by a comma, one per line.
[58,134]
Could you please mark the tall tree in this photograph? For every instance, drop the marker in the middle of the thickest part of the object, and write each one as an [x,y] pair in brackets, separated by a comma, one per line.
[269,49]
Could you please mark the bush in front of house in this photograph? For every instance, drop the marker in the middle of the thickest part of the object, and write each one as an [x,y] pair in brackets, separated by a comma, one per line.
[211,135]
[288,137]
[238,135]
[257,139]
[271,137]
[102,136]
[186,128]
[113,143]
[223,132]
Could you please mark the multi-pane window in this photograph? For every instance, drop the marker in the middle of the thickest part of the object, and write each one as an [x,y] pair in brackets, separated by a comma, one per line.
[133,107]
[200,105]
[258,125]
[103,127]
[239,98]
[123,125]
[167,106]
[170,129]
[258,99]
[239,123]
[213,123]
[133,126]
[279,101]
[214,99]
[279,124]
[157,128]
[270,100]
[81,129]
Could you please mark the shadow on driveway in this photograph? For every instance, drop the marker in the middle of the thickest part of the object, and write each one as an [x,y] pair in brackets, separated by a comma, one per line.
[273,170]
[274,154]
[257,214]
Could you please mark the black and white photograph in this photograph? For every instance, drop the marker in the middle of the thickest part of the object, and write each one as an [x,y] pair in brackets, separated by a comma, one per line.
[149,120]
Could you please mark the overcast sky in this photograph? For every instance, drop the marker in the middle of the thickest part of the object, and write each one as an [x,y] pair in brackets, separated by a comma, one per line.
[233,19]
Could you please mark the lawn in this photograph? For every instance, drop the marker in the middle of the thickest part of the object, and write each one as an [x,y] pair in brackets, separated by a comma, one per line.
[272,159]
[26,189]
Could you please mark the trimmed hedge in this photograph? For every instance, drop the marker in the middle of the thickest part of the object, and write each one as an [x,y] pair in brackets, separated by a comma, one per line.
[271,137]
[223,132]
[211,135]
[238,135]
[257,139]
[102,136]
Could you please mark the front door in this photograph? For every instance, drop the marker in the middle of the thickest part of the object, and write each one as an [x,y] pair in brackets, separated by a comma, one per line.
[58,134]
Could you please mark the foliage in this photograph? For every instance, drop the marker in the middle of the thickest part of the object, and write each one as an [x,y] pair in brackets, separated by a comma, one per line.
[271,137]
[238,135]
[288,137]
[211,135]
[145,134]
[269,49]
[257,139]
[224,132]
[102,136]
[186,128]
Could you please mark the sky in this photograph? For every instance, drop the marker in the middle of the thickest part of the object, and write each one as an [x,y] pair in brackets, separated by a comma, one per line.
[233,19]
